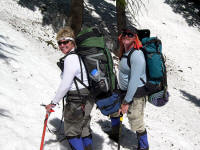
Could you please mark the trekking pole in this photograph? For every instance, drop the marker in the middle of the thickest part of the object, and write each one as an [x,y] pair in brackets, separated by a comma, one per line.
[120,130]
[44,128]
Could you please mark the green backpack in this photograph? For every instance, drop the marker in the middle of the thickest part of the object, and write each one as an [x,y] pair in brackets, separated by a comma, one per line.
[98,62]
[91,48]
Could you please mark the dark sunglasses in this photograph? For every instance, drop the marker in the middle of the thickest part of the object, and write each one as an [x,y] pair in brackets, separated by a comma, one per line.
[63,42]
[129,34]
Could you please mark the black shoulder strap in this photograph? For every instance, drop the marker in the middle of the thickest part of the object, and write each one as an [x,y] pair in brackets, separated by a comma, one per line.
[129,62]
[73,52]
[60,64]
[80,81]
[77,79]
[62,58]
[129,57]
[81,68]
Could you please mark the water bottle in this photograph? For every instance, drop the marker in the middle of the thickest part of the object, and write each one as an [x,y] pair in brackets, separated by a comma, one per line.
[100,80]
[95,75]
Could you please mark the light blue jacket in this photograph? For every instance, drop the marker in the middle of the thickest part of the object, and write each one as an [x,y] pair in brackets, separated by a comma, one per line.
[129,78]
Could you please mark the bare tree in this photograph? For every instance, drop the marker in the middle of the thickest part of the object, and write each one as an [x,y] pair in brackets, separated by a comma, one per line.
[76,15]
[134,7]
[121,15]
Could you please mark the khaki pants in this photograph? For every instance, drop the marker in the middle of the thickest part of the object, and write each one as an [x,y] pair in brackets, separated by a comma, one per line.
[136,114]
[77,119]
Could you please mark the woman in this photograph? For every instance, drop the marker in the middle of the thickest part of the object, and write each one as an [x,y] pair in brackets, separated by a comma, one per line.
[78,104]
[131,82]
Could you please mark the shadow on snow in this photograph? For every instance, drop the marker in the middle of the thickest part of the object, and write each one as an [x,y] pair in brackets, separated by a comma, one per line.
[54,12]
[128,138]
[189,9]
[6,49]
[191,98]
[5,113]
[58,130]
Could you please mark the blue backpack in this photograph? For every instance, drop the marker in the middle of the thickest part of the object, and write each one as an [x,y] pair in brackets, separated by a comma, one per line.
[156,84]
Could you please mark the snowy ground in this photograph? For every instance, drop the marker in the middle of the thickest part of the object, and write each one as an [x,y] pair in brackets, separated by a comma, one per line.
[29,77]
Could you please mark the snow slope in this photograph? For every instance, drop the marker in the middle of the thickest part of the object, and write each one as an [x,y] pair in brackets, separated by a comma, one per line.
[29,77]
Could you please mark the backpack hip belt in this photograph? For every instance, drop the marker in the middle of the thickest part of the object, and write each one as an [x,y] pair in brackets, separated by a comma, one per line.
[76,97]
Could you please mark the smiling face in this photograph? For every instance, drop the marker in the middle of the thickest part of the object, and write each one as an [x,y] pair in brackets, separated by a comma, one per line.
[66,46]
[66,39]
[128,40]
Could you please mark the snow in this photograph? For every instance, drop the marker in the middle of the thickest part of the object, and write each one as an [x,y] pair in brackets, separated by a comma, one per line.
[30,77]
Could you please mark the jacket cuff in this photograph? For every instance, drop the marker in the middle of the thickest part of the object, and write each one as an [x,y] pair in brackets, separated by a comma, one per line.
[125,102]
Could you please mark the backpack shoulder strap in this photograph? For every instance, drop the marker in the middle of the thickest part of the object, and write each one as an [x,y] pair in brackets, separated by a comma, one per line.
[128,57]
[77,79]
[61,66]
[60,63]
[62,58]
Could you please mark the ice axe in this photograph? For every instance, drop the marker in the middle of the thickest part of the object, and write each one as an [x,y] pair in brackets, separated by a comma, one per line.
[120,129]
[44,128]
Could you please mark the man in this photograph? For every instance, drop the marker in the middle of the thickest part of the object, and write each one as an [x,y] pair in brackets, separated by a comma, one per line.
[131,82]
[78,103]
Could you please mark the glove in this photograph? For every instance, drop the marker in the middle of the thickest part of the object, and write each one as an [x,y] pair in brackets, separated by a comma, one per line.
[49,107]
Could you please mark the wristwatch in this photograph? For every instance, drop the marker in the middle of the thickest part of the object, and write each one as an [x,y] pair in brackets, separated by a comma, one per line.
[53,103]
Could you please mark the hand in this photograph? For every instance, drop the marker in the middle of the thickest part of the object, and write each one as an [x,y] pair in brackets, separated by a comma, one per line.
[49,107]
[124,108]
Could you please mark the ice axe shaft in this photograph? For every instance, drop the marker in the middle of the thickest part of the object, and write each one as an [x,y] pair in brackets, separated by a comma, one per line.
[44,131]
[120,130]
[44,128]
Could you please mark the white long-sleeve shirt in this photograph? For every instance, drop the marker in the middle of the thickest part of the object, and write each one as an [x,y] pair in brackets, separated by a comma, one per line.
[71,69]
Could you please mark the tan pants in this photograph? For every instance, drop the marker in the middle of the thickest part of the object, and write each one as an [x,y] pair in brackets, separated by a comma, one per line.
[136,114]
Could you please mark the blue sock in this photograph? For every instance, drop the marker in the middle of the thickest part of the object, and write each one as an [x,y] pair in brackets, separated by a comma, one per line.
[143,141]
[87,141]
[76,143]
[115,121]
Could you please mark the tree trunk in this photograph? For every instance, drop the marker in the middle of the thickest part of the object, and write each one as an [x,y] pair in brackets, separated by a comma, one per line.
[121,15]
[76,15]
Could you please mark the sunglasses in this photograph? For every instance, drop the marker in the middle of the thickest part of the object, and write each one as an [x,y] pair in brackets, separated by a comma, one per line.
[129,34]
[63,42]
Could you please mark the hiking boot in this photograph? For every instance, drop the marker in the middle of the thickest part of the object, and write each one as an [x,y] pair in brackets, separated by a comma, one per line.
[142,141]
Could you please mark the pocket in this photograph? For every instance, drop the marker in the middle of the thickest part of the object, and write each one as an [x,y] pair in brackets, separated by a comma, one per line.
[73,112]
[109,105]
[136,109]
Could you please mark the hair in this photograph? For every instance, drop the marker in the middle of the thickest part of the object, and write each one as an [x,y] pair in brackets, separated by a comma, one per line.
[121,46]
[65,32]
[137,42]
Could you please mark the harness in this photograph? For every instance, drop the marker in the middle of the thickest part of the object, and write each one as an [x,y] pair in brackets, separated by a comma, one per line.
[82,98]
